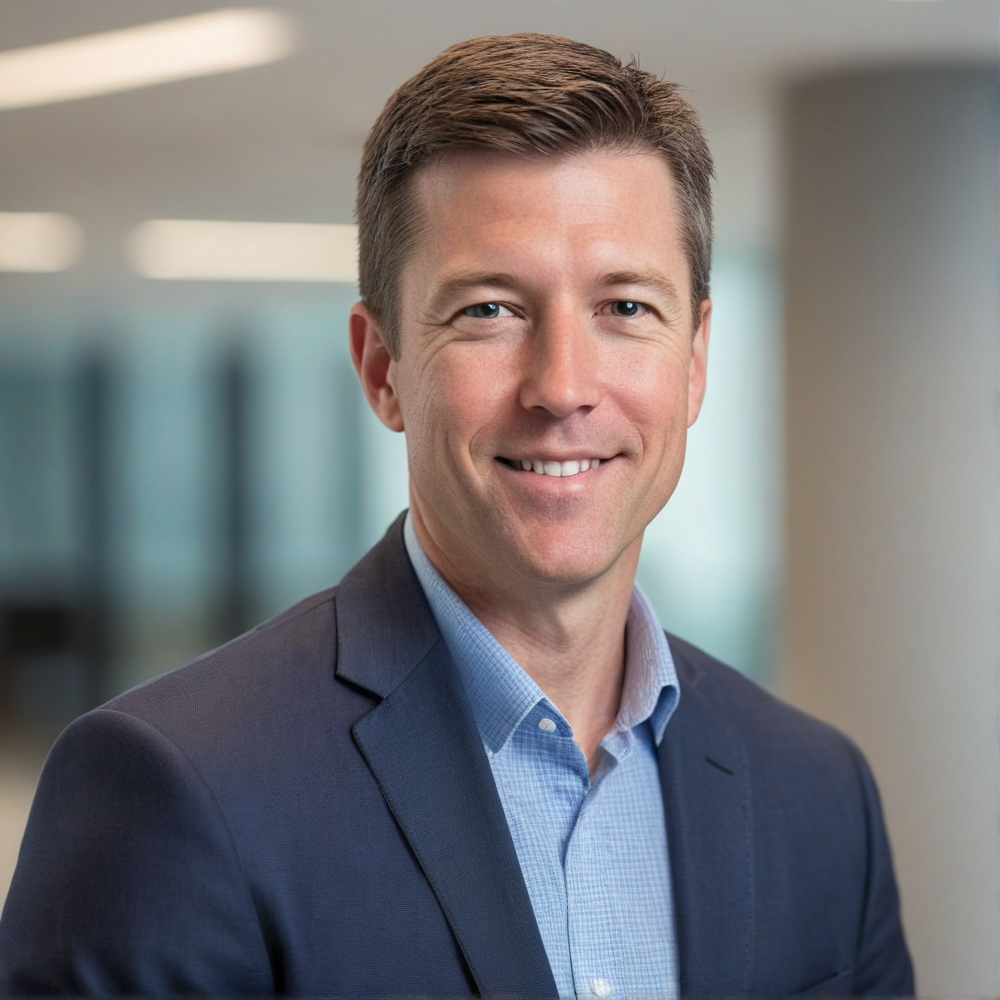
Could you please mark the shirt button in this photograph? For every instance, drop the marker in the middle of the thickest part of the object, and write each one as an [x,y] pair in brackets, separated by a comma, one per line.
[546,725]
[601,987]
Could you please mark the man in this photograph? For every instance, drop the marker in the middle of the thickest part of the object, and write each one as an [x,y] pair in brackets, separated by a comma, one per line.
[478,765]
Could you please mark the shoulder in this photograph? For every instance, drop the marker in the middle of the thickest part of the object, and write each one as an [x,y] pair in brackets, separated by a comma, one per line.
[259,726]
[285,663]
[781,743]
[288,692]
[245,716]
[159,814]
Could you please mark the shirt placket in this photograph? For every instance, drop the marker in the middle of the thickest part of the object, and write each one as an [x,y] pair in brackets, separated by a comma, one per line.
[586,901]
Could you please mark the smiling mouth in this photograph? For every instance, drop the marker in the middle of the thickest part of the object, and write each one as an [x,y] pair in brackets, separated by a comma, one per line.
[544,467]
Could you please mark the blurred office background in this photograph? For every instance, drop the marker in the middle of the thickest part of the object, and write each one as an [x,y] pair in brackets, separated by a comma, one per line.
[184,450]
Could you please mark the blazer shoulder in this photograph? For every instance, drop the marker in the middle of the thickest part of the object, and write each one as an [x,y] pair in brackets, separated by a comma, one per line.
[299,634]
[274,679]
[771,730]
[279,692]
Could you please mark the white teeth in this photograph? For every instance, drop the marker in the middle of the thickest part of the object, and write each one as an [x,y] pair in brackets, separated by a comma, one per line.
[570,468]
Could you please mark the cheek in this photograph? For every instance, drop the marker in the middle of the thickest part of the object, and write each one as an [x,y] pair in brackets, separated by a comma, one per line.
[654,392]
[457,396]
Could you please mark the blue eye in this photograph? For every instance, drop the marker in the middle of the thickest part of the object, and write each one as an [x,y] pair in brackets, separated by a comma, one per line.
[625,307]
[483,310]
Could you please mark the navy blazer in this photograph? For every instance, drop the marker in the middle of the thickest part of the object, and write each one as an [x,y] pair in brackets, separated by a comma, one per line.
[310,810]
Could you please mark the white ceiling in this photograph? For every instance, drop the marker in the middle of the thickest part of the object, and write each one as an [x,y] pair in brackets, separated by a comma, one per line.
[282,141]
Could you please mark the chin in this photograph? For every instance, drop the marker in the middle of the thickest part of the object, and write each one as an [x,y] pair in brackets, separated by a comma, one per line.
[563,562]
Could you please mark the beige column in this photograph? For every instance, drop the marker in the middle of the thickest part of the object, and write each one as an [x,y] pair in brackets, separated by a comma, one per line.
[892,595]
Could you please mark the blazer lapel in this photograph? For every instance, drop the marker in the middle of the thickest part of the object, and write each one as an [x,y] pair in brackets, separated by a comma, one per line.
[706,795]
[424,750]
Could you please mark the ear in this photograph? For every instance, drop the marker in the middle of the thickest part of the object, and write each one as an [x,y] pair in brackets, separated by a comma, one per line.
[374,365]
[699,361]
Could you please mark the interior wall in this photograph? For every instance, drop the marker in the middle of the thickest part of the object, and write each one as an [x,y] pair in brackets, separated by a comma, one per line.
[892,469]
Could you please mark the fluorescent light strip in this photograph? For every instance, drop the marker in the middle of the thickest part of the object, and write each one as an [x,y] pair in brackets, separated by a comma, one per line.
[38,242]
[200,250]
[215,42]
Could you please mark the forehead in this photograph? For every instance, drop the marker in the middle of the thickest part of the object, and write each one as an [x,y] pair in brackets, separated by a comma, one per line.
[575,212]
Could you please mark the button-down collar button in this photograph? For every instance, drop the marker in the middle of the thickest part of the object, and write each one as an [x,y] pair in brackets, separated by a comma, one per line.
[546,725]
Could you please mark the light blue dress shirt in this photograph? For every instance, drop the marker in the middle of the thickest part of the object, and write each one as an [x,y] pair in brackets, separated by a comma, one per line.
[593,854]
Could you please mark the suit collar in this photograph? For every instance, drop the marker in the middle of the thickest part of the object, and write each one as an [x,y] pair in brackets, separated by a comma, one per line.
[705,779]
[384,625]
[424,751]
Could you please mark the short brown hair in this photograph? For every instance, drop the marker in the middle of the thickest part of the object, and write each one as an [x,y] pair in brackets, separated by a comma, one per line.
[530,95]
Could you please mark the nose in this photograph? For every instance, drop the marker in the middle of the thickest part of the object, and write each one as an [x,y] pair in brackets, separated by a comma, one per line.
[561,372]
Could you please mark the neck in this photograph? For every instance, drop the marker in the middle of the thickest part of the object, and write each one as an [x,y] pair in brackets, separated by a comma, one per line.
[569,639]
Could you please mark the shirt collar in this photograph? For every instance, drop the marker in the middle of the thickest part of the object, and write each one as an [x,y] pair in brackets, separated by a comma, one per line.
[502,694]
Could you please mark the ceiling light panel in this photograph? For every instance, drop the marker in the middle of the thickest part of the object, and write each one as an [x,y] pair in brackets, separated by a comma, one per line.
[201,250]
[38,242]
[215,42]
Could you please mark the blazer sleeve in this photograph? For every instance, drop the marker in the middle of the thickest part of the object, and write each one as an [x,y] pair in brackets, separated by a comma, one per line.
[128,880]
[883,967]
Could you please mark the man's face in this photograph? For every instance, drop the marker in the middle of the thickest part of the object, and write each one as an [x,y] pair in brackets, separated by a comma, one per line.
[549,363]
